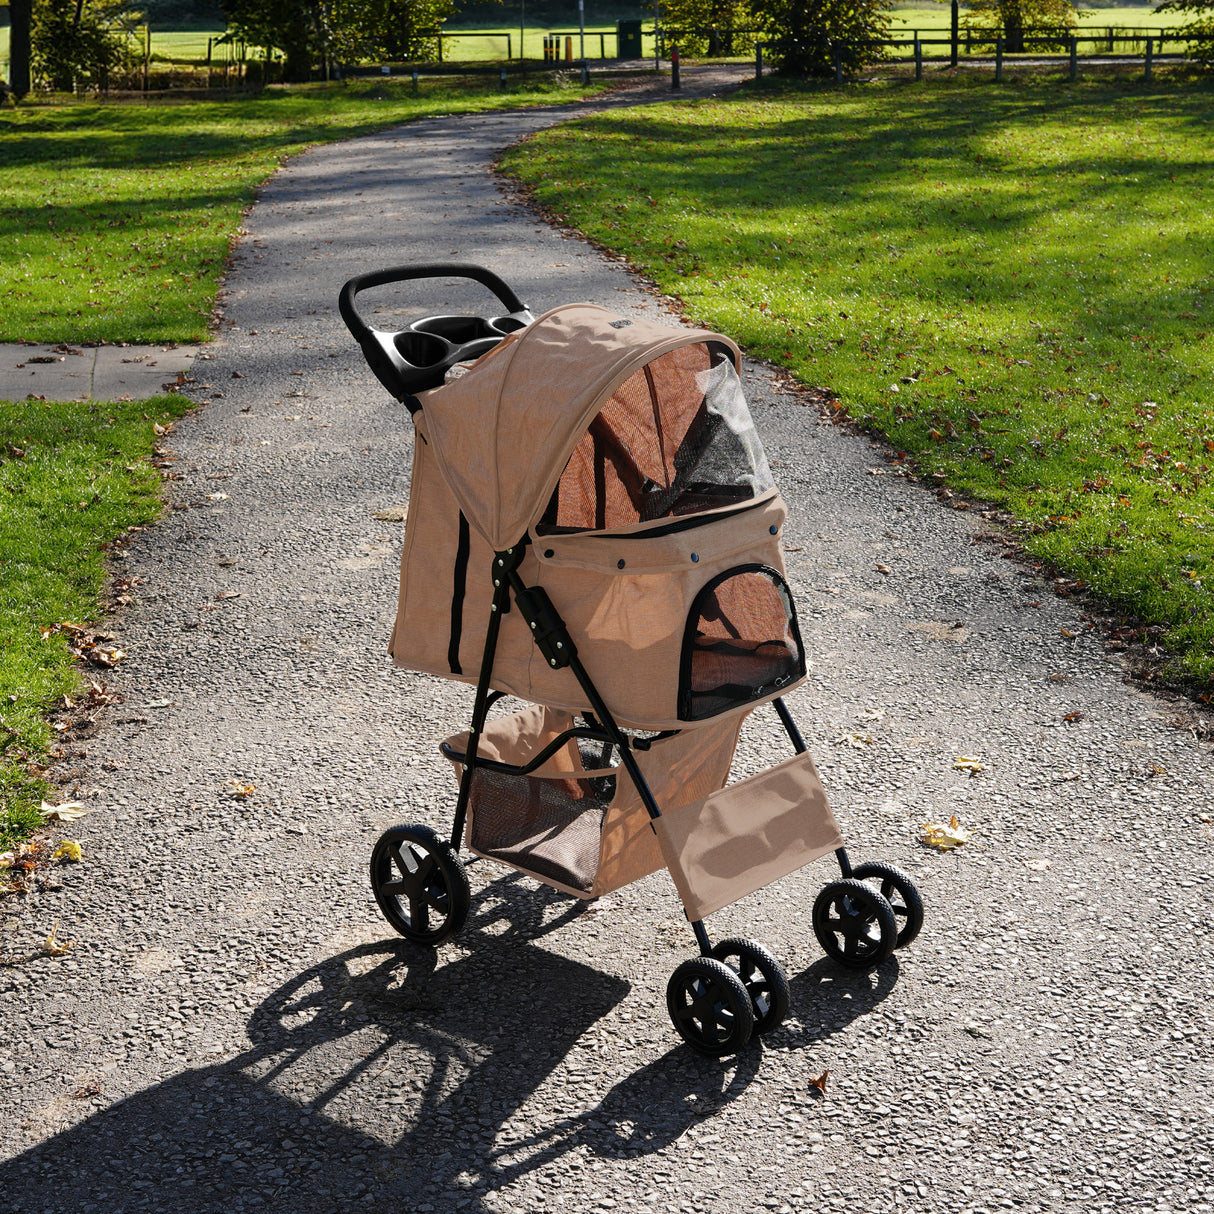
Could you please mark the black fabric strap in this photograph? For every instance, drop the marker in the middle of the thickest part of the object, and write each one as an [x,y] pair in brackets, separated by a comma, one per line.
[459,582]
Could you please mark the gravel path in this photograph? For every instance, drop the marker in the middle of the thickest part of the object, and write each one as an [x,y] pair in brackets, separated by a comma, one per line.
[235,1027]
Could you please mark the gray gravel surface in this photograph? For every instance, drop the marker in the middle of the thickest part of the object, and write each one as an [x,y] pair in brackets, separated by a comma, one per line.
[235,1026]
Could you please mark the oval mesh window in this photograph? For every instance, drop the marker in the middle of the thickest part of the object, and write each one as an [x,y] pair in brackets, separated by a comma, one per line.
[741,644]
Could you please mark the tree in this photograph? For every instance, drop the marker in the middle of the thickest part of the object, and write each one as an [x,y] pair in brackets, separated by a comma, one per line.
[75,44]
[21,25]
[1199,31]
[312,32]
[806,36]
[708,27]
[1012,20]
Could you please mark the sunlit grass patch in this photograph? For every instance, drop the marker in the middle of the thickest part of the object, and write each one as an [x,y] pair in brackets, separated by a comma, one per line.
[1014,285]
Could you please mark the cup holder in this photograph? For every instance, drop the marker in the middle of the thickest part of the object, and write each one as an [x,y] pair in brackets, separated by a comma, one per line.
[507,324]
[420,349]
[456,329]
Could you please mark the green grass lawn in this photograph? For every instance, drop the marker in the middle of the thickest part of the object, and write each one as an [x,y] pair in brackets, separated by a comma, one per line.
[73,477]
[115,221]
[1014,284]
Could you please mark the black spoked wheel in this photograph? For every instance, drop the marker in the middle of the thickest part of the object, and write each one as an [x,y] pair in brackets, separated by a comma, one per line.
[900,892]
[710,1007]
[854,924]
[762,977]
[420,884]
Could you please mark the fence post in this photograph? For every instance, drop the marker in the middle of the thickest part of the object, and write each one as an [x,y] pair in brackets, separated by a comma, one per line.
[998,60]
[1074,58]
[954,31]
[758,61]
[509,46]
[1146,75]
[918,59]
[415,80]
[674,68]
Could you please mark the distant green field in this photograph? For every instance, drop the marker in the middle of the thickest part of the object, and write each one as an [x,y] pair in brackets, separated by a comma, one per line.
[484,45]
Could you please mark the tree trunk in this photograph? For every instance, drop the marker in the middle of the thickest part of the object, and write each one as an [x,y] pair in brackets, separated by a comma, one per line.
[20,14]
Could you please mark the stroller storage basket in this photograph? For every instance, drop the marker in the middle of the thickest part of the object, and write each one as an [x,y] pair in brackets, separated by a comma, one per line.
[584,831]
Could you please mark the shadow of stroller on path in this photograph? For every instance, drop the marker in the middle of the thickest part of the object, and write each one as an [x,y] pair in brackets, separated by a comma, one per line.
[381,1079]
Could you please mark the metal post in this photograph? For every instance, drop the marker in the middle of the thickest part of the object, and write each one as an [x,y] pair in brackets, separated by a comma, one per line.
[955,33]
[1074,58]
[918,59]
[581,27]
[415,80]
[1146,75]
[998,60]
[674,68]
[509,46]
[758,61]
[522,29]
[503,79]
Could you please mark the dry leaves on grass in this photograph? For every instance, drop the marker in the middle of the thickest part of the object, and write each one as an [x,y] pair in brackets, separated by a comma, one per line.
[945,835]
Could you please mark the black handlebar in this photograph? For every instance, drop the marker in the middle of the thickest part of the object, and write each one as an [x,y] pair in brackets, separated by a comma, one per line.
[418,357]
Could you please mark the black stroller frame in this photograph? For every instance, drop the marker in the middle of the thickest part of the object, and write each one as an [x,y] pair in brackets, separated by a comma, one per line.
[735,988]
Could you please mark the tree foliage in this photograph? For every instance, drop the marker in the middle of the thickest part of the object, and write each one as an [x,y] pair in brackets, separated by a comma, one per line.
[76,44]
[806,36]
[709,27]
[309,33]
[1014,20]
[1199,31]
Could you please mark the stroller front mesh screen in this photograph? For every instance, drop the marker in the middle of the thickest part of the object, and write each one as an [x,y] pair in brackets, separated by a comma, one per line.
[741,644]
[675,439]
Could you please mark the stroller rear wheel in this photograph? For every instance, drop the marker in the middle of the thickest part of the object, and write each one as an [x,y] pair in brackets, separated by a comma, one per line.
[900,892]
[854,924]
[420,884]
[710,1007]
[762,977]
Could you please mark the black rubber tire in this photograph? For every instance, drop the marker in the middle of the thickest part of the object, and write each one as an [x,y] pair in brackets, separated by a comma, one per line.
[900,892]
[420,884]
[762,977]
[854,924]
[709,1007]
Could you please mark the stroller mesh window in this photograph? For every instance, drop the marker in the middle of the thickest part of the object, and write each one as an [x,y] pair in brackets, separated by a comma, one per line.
[741,643]
[550,827]
[675,439]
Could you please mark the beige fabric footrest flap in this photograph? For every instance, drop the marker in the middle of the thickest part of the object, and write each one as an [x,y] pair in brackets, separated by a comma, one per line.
[748,835]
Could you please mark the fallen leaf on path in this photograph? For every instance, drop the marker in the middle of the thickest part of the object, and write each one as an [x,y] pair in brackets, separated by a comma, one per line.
[970,763]
[394,514]
[52,947]
[883,568]
[945,836]
[69,811]
[820,1081]
[1072,716]
[69,850]
[239,789]
[854,739]
[1038,864]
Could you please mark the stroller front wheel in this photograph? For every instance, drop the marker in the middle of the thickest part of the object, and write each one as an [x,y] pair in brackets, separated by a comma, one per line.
[900,892]
[762,977]
[420,884]
[854,924]
[710,1007]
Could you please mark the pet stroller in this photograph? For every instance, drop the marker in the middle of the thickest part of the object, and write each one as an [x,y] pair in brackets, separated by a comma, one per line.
[593,528]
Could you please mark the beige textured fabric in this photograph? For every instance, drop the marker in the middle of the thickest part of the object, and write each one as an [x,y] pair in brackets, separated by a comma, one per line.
[679,769]
[748,835]
[503,432]
[627,624]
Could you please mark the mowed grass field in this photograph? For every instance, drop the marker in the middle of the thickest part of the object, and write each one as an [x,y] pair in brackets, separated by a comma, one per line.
[1013,284]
